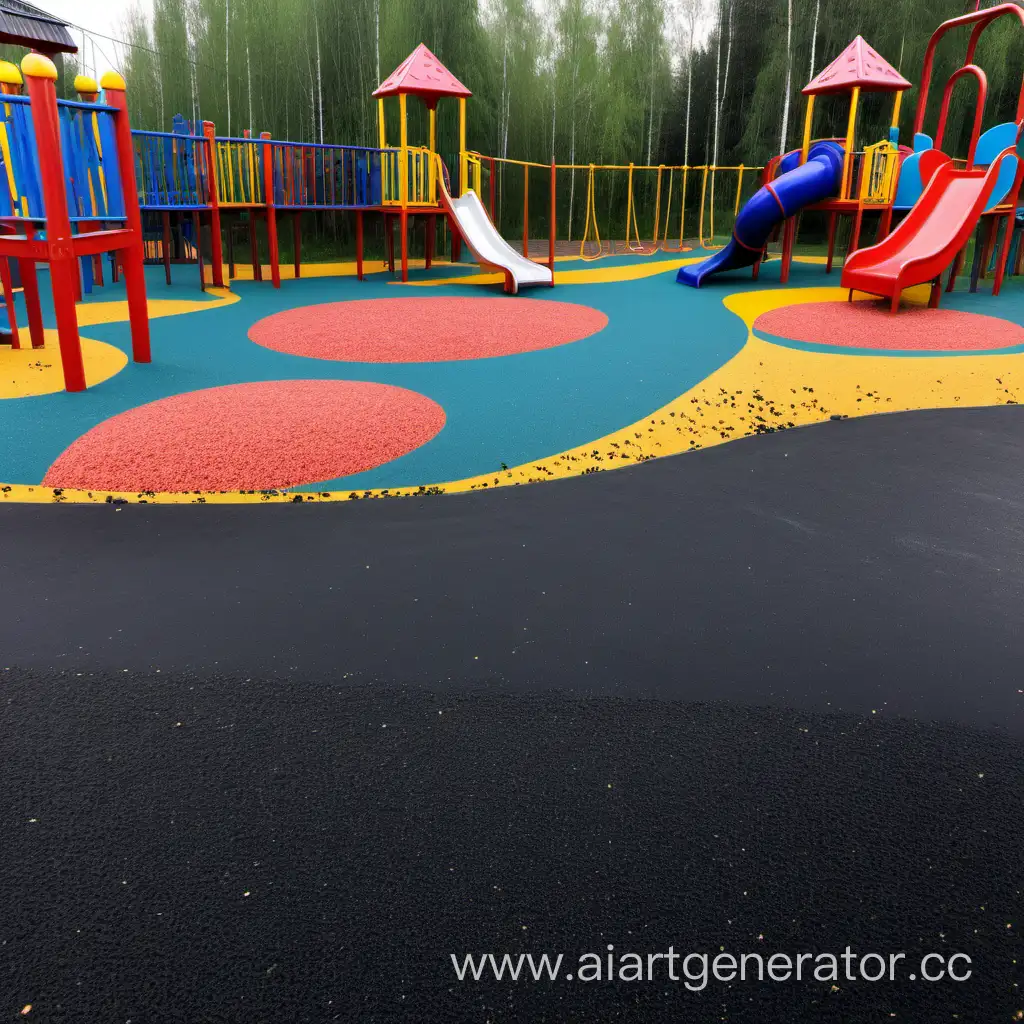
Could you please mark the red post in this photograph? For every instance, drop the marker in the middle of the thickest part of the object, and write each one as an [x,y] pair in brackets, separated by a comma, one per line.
[788,234]
[132,256]
[30,284]
[197,229]
[40,75]
[165,217]
[428,241]
[359,244]
[297,242]
[216,252]
[526,210]
[403,227]
[831,242]
[268,191]
[490,187]
[551,233]
[8,288]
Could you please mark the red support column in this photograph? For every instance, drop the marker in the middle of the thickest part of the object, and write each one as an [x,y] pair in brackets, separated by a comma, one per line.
[1004,253]
[40,75]
[456,253]
[8,288]
[254,247]
[526,210]
[490,186]
[197,227]
[216,252]
[30,286]
[268,191]
[428,242]
[551,227]
[404,230]
[132,257]
[165,217]
[359,244]
[297,242]
[788,233]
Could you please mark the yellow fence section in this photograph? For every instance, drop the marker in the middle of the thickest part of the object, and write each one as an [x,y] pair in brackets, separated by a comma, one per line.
[715,182]
[878,179]
[408,177]
[240,172]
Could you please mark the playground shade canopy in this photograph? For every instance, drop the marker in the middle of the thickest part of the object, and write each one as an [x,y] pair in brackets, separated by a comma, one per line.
[421,74]
[858,66]
[25,25]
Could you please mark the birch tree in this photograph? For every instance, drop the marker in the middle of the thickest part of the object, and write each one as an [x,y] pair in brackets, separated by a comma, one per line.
[789,78]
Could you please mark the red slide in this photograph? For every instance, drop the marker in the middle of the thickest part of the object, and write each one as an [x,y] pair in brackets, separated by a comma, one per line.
[927,240]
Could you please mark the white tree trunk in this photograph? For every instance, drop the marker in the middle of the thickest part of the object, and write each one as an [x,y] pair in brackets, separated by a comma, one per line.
[319,77]
[728,59]
[376,37]
[248,76]
[814,37]
[718,108]
[650,119]
[784,134]
[227,72]
[689,94]
[554,108]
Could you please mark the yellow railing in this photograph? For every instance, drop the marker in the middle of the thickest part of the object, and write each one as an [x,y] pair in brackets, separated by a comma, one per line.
[417,186]
[239,172]
[476,170]
[665,198]
[878,179]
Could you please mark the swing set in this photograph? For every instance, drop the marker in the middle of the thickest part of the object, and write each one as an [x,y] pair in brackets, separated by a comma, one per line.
[661,224]
[665,234]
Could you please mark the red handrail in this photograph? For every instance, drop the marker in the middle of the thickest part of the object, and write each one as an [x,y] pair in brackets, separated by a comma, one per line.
[981,20]
[979,107]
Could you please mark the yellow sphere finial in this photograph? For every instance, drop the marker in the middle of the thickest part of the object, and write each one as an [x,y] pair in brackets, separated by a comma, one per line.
[83,83]
[38,66]
[112,80]
[9,74]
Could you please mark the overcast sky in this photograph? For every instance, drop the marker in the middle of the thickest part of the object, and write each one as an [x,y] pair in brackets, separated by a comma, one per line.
[102,17]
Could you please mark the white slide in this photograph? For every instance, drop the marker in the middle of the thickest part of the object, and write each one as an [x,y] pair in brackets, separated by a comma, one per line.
[490,250]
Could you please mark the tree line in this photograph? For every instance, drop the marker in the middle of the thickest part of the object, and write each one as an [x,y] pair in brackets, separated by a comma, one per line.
[577,81]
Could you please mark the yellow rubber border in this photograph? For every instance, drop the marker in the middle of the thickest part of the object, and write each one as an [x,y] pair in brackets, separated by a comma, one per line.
[764,387]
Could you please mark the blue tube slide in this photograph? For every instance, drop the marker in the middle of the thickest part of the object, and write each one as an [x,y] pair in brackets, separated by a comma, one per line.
[789,193]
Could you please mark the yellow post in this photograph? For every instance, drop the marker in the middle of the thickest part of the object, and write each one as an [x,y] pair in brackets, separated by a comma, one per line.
[703,196]
[657,205]
[629,205]
[682,206]
[432,171]
[739,192]
[851,127]
[381,131]
[807,129]
[403,156]
[463,157]
[896,110]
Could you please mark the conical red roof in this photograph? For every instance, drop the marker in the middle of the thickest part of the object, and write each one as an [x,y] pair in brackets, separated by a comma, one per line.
[858,65]
[422,74]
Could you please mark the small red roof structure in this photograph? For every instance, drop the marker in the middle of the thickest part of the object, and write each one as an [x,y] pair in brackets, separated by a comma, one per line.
[857,66]
[422,74]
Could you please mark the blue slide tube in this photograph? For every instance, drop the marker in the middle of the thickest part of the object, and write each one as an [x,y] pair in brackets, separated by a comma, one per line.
[789,193]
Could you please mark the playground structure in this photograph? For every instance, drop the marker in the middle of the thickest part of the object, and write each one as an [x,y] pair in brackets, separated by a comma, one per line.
[827,175]
[131,194]
[67,194]
[954,201]
[943,203]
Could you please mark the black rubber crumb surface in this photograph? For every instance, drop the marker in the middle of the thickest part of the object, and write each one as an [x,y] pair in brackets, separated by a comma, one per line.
[228,850]
[277,764]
